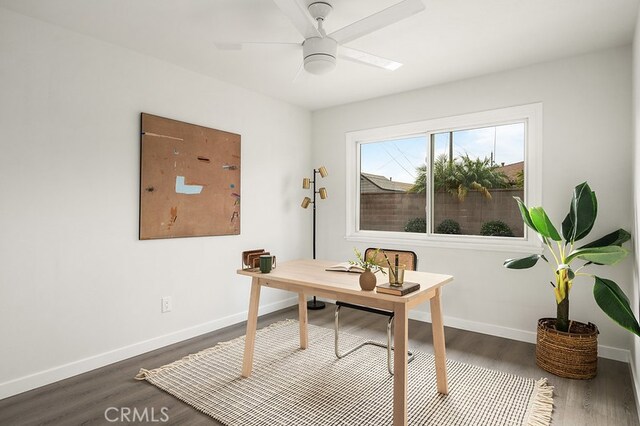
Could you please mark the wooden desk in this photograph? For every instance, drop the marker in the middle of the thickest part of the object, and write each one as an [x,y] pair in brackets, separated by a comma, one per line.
[308,277]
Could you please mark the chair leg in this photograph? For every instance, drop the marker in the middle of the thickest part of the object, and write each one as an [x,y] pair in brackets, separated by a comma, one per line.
[336,329]
[337,334]
[389,342]
[388,346]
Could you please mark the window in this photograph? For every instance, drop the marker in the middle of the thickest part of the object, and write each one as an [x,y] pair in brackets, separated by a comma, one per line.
[446,182]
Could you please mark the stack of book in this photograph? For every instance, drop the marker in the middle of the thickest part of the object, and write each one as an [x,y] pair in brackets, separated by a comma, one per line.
[406,288]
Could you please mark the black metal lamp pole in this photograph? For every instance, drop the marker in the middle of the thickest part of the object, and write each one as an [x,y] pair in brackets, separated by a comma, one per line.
[314,304]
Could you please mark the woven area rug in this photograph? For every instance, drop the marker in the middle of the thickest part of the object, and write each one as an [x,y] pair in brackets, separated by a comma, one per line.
[290,386]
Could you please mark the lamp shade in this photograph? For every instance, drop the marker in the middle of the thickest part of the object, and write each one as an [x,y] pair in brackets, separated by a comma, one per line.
[306,183]
[323,171]
[305,202]
[323,193]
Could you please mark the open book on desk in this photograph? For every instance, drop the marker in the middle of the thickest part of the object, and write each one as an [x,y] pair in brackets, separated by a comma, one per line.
[346,267]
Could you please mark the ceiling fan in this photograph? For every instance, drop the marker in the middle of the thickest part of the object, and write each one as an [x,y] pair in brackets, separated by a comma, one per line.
[319,49]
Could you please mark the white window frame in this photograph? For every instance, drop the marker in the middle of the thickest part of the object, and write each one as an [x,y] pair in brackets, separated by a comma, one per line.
[530,114]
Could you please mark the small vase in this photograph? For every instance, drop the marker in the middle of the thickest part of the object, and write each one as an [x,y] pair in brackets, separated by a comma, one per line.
[367,280]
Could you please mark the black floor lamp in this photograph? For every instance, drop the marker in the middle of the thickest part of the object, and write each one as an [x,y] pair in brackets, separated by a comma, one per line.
[306,184]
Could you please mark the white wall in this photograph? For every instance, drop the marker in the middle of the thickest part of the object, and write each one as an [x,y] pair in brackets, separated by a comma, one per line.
[587,136]
[77,288]
[634,359]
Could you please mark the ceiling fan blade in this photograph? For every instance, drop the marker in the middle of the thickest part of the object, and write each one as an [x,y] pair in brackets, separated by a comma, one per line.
[378,20]
[298,73]
[299,17]
[368,59]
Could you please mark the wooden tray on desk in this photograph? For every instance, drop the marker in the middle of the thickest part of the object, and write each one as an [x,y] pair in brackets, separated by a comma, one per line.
[254,259]
[247,253]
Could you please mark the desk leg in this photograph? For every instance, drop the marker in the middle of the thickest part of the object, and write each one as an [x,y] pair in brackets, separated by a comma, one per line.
[302,319]
[400,344]
[252,324]
[438,343]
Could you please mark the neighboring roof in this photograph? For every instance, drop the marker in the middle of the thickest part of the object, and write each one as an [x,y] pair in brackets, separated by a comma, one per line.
[511,170]
[386,184]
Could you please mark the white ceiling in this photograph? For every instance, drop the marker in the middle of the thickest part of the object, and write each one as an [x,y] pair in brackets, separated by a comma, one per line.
[450,40]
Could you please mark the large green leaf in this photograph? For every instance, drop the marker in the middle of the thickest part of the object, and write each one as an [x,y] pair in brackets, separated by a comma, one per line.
[591,222]
[523,263]
[567,227]
[543,223]
[608,255]
[616,238]
[524,212]
[582,213]
[615,303]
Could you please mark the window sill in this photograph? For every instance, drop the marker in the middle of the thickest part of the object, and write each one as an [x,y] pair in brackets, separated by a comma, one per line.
[496,244]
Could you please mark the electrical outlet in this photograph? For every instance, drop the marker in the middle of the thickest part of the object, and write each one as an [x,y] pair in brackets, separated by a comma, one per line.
[166,304]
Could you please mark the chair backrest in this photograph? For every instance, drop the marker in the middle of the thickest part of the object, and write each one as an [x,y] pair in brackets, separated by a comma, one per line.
[405,257]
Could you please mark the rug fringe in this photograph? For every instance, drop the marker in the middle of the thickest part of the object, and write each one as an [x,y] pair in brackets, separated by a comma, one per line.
[144,374]
[541,405]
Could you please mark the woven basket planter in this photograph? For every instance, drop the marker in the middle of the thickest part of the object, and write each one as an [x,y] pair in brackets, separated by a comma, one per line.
[572,354]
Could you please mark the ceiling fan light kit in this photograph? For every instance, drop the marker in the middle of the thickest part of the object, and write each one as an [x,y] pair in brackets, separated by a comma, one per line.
[319,54]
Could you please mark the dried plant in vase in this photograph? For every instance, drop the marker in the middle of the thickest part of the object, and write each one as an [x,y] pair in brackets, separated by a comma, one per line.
[370,266]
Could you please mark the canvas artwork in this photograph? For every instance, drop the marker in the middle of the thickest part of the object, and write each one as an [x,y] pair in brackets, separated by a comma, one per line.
[189,180]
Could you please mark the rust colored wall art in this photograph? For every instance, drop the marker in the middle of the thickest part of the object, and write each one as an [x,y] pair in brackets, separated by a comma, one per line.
[189,180]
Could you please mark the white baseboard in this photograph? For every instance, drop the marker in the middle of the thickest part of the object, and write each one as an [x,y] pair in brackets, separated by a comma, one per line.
[615,354]
[41,378]
[608,352]
[635,381]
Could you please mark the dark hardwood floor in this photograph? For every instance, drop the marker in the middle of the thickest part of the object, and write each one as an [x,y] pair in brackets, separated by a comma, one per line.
[82,400]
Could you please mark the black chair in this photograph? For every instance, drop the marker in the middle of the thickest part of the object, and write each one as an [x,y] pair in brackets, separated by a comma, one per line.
[407,258]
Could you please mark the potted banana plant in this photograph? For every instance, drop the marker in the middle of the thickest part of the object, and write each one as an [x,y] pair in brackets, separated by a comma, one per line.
[564,347]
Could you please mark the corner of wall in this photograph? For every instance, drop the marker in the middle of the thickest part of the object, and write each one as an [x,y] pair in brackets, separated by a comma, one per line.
[634,355]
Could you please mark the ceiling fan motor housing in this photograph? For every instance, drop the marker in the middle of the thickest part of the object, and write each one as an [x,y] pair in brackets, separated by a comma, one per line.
[319,54]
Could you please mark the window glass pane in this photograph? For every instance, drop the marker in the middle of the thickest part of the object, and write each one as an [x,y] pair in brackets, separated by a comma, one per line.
[441,144]
[388,173]
[476,174]
[455,174]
